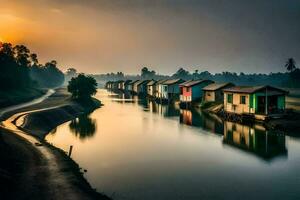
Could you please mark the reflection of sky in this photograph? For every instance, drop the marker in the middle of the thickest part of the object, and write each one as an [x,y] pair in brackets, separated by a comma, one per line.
[144,155]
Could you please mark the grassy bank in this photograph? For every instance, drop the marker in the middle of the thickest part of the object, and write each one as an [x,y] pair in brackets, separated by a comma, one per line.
[40,123]
[13,97]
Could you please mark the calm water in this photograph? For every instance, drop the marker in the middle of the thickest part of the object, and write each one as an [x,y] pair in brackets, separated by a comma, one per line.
[136,149]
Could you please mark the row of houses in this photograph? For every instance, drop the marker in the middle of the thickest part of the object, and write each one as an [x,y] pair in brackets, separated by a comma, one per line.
[260,100]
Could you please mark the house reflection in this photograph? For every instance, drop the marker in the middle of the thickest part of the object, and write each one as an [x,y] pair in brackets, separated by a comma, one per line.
[255,139]
[83,127]
[195,117]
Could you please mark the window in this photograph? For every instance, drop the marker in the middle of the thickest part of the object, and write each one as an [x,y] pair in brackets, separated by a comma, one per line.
[229,98]
[187,89]
[165,88]
[242,99]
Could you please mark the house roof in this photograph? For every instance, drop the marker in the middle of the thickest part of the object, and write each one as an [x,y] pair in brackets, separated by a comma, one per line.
[161,81]
[133,82]
[172,81]
[152,82]
[142,81]
[191,83]
[217,86]
[252,89]
[128,81]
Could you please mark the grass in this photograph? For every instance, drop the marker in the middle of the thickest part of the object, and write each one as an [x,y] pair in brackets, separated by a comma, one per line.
[12,97]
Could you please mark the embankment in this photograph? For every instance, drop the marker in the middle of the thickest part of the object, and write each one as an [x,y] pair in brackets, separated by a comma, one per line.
[13,97]
[34,169]
[40,122]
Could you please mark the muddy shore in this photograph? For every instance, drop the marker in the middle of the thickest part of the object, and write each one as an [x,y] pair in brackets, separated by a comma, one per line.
[26,170]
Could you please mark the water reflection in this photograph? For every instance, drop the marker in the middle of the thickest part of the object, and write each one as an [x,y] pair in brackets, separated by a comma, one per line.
[150,155]
[255,139]
[83,127]
[195,117]
[251,138]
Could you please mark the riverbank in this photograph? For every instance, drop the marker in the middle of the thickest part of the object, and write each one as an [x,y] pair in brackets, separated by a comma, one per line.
[13,97]
[49,172]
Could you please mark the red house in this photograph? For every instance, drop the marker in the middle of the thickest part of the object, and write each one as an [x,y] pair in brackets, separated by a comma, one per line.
[192,90]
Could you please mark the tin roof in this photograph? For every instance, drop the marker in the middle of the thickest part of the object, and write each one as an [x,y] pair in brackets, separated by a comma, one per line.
[152,82]
[217,86]
[172,81]
[161,81]
[191,83]
[252,89]
[142,81]
[134,82]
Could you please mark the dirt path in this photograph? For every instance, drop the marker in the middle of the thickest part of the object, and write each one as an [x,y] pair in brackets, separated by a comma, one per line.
[44,172]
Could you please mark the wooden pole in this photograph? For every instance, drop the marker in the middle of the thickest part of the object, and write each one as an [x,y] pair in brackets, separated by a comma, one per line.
[70,150]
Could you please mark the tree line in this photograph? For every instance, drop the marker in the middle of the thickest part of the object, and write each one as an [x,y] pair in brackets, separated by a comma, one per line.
[290,78]
[19,68]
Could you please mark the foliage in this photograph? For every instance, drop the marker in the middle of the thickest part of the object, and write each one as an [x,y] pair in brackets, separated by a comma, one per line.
[82,87]
[48,75]
[294,73]
[19,69]
[290,65]
[147,74]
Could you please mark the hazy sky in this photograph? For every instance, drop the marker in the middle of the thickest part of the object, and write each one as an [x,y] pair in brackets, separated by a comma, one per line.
[99,36]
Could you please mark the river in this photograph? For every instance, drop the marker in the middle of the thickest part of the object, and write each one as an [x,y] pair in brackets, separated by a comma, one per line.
[137,149]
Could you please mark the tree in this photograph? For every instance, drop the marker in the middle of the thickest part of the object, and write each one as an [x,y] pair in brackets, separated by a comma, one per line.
[71,72]
[82,87]
[290,64]
[147,74]
[47,76]
[182,73]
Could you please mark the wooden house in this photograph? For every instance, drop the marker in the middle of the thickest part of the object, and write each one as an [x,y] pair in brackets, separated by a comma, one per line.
[169,89]
[115,85]
[214,92]
[192,90]
[157,94]
[259,100]
[131,85]
[121,85]
[135,86]
[151,85]
[108,85]
[126,85]
[142,87]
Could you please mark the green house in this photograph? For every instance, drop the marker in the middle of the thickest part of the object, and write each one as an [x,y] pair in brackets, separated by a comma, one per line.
[260,100]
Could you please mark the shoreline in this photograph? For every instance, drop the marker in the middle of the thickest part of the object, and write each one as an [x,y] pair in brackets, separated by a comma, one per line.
[33,123]
[289,123]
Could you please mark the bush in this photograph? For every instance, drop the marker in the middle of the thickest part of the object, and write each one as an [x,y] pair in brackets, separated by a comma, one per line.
[82,87]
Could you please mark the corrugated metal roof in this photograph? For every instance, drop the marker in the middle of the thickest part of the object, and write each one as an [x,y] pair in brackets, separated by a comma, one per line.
[152,82]
[217,86]
[172,81]
[161,81]
[251,89]
[142,81]
[193,82]
[133,82]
